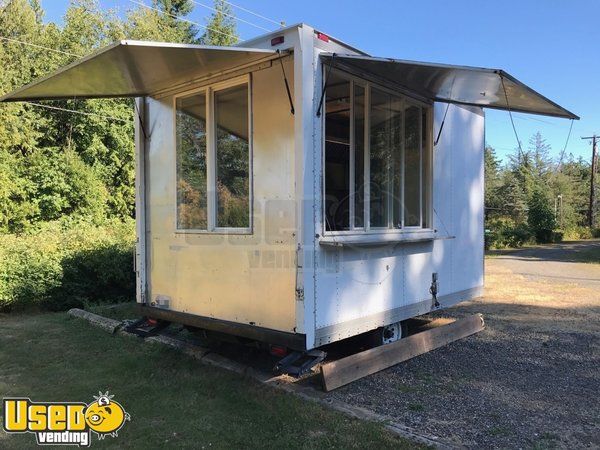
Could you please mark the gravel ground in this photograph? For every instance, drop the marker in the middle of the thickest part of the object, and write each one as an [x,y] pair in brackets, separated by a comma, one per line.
[531,379]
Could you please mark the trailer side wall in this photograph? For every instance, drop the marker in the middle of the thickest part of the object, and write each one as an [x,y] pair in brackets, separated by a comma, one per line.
[359,288]
[243,278]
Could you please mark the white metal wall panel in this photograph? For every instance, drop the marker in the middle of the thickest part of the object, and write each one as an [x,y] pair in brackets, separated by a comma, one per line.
[360,288]
[458,199]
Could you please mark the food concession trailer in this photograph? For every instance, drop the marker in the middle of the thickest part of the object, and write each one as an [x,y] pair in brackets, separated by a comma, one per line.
[293,189]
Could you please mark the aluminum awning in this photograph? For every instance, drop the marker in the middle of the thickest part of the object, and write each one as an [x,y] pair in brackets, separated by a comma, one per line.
[463,85]
[137,68]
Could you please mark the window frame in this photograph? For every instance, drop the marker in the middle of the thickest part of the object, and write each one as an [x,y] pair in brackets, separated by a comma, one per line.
[426,204]
[211,158]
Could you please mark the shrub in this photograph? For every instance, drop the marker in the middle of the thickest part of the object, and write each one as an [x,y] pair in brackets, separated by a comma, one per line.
[504,232]
[596,232]
[67,263]
[577,233]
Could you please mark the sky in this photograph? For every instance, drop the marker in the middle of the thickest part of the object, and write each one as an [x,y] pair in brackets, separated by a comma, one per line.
[551,45]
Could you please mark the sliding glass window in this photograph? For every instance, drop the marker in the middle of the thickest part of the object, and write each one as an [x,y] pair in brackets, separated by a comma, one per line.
[377,158]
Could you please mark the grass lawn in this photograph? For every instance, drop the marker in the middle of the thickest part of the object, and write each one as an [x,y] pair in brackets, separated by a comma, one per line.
[174,401]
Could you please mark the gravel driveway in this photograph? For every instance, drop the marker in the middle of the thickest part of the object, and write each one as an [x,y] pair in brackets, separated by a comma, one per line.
[531,379]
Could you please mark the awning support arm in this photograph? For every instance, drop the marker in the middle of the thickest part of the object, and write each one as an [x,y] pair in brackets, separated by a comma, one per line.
[437,139]
[510,115]
[140,119]
[325,85]
[287,86]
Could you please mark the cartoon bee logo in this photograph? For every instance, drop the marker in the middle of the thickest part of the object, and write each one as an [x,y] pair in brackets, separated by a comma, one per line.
[105,416]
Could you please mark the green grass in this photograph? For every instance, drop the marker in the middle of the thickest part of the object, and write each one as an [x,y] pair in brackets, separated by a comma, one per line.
[119,311]
[173,399]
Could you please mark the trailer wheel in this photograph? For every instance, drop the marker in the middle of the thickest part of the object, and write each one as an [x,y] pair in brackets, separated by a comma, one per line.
[389,333]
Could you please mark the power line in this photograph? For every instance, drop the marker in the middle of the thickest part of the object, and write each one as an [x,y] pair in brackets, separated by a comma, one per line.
[185,20]
[562,154]
[231,15]
[39,46]
[84,113]
[254,14]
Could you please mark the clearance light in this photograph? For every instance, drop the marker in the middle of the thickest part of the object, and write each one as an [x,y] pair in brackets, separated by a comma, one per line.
[277,40]
[323,37]
[278,350]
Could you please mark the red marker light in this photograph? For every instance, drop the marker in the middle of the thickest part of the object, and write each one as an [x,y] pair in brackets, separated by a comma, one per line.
[277,350]
[323,37]
[277,40]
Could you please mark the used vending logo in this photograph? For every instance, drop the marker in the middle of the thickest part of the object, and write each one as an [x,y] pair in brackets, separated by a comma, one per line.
[65,423]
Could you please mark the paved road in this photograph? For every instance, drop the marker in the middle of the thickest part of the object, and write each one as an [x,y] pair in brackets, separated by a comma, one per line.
[561,263]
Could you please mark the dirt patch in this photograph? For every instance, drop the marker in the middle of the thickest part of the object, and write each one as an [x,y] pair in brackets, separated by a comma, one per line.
[529,380]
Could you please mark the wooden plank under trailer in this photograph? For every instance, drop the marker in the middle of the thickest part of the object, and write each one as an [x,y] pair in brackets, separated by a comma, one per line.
[346,370]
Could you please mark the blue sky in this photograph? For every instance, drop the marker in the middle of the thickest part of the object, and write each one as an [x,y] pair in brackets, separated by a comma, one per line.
[551,45]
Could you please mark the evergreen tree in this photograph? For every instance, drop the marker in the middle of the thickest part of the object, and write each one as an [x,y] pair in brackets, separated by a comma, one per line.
[221,28]
[166,22]
[493,200]
[541,163]
[541,218]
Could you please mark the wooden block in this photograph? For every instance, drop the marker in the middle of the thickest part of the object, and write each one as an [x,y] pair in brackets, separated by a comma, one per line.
[343,371]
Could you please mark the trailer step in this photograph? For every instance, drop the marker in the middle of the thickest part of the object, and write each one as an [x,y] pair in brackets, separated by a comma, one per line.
[346,370]
[299,363]
[146,327]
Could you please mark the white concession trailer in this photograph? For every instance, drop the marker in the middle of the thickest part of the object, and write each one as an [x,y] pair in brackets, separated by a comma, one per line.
[295,190]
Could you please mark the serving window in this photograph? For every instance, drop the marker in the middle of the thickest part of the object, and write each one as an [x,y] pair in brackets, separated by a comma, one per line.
[377,158]
[213,155]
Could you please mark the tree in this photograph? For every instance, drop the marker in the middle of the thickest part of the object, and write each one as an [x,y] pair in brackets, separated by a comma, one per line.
[221,28]
[96,147]
[541,163]
[19,125]
[572,183]
[541,218]
[165,22]
[494,203]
